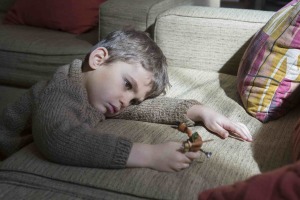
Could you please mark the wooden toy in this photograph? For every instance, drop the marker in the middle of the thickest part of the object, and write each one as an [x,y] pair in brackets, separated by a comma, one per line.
[194,142]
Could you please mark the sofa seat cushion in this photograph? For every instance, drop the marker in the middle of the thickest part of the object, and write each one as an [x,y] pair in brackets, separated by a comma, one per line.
[46,188]
[30,54]
[232,160]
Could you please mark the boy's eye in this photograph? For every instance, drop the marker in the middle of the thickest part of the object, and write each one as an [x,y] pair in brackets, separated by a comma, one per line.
[134,102]
[128,85]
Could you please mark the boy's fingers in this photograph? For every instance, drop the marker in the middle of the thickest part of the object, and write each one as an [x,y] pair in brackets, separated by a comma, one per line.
[242,131]
[185,165]
[186,160]
[180,167]
[246,130]
[222,132]
[244,127]
[193,155]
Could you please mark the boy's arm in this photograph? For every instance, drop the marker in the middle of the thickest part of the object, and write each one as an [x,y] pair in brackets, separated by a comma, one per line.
[170,110]
[15,122]
[218,123]
[162,110]
[64,131]
[162,157]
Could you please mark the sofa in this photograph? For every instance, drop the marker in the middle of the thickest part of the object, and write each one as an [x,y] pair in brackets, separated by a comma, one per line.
[29,54]
[203,46]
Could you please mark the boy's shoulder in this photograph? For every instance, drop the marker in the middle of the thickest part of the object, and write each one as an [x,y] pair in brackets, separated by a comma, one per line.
[72,69]
[63,70]
[62,73]
[66,76]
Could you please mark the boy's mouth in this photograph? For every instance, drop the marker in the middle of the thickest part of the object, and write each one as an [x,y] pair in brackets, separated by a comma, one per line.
[112,109]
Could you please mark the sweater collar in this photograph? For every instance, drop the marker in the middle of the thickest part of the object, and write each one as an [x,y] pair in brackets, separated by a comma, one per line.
[75,70]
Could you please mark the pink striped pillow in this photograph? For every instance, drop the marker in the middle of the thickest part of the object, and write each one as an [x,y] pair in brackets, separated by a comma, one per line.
[269,72]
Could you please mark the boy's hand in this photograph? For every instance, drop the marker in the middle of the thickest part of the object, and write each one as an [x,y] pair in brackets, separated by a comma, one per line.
[162,157]
[218,123]
[168,157]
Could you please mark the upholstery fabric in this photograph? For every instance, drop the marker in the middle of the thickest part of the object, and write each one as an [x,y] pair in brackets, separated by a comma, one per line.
[207,38]
[236,160]
[69,15]
[29,54]
[141,14]
[269,73]
[296,142]
[193,74]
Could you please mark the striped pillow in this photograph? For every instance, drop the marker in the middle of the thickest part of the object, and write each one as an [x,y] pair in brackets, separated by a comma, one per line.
[269,72]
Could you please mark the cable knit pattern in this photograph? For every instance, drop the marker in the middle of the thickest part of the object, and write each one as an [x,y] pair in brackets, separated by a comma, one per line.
[63,122]
[15,122]
[162,110]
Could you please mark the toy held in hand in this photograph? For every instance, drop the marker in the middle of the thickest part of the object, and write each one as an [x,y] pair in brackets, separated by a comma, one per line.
[194,142]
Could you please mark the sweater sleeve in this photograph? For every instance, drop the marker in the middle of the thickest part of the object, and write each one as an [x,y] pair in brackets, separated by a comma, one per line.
[163,110]
[15,123]
[64,131]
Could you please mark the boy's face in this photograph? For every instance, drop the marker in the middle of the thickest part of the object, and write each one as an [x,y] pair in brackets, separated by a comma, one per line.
[113,87]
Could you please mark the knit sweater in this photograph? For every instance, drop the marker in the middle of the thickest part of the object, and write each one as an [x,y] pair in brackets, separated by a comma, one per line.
[63,122]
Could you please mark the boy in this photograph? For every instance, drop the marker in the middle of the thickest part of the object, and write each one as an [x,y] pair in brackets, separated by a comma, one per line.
[125,68]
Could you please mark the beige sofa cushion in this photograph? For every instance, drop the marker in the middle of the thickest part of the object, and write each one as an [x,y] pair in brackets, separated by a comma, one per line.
[232,160]
[29,54]
[207,38]
[140,14]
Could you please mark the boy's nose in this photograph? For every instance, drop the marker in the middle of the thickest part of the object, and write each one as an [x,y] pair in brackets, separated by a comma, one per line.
[125,101]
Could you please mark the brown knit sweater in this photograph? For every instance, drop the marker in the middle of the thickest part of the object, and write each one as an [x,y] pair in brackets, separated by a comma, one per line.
[63,122]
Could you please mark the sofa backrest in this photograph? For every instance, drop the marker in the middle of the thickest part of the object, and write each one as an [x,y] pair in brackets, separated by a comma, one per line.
[140,14]
[5,5]
[207,38]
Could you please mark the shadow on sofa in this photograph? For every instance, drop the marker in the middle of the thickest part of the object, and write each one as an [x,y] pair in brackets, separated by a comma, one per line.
[267,135]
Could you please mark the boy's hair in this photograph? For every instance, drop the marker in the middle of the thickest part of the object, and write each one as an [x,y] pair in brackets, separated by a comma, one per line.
[132,46]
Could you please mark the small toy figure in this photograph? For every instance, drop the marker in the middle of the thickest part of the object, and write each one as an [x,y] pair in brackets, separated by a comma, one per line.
[194,142]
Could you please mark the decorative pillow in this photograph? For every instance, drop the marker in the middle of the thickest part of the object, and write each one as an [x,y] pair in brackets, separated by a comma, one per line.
[296,143]
[269,72]
[66,15]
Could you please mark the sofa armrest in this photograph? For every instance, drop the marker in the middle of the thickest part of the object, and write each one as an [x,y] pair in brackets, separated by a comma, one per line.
[140,14]
[209,3]
[207,38]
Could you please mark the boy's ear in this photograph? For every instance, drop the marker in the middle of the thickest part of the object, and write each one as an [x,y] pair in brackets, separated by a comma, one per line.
[97,57]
